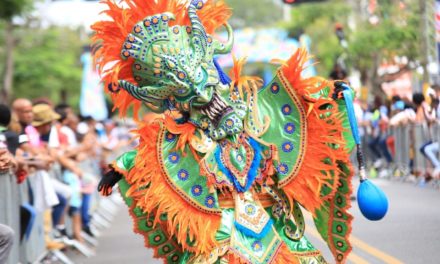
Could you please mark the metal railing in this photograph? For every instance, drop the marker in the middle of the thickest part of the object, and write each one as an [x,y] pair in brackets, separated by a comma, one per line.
[32,249]
[408,160]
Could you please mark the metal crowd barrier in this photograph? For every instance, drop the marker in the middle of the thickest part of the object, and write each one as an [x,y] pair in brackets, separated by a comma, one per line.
[435,132]
[402,149]
[408,160]
[33,249]
[408,141]
[9,211]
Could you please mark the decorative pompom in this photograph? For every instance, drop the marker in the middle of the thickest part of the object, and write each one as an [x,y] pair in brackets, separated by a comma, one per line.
[372,201]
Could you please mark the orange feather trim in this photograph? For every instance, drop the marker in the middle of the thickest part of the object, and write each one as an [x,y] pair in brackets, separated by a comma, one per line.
[285,255]
[186,132]
[321,133]
[324,131]
[185,222]
[110,36]
[242,82]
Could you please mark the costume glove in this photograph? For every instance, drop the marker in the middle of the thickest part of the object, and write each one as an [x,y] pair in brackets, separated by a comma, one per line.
[110,178]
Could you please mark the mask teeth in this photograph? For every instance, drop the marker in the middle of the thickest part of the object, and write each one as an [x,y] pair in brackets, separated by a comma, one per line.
[222,103]
[211,115]
[215,109]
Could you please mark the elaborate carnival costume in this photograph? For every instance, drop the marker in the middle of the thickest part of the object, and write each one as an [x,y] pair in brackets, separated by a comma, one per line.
[224,167]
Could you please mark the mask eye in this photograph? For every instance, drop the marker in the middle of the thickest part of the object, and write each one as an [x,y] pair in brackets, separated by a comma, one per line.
[182,92]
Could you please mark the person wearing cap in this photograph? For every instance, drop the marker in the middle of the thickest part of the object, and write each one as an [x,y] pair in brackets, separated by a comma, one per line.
[45,122]
[44,194]
[44,117]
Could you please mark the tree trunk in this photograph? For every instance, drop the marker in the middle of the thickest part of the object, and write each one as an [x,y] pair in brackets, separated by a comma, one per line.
[8,73]
[426,39]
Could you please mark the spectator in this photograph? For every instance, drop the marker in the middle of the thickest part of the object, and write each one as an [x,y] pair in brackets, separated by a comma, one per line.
[78,152]
[50,151]
[50,139]
[46,196]
[11,138]
[423,110]
[431,152]
[402,116]
[23,109]
[428,114]
[13,141]
[437,96]
[338,73]
[378,142]
[7,161]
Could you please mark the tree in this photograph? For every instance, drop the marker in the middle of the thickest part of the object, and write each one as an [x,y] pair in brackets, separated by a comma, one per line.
[251,13]
[395,33]
[318,21]
[42,62]
[10,8]
[48,64]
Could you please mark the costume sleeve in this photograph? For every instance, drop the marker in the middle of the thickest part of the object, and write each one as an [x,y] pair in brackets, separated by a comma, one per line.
[124,163]
[310,135]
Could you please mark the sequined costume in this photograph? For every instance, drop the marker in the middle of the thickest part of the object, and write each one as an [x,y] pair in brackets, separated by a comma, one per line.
[226,165]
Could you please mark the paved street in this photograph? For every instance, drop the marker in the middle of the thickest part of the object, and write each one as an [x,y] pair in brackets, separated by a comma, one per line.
[119,245]
[409,234]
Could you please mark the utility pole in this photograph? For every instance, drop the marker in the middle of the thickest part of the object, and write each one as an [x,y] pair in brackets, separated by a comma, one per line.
[287,13]
[428,40]
[8,74]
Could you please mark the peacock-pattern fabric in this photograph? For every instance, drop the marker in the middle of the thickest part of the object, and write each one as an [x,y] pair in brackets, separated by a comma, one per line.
[224,165]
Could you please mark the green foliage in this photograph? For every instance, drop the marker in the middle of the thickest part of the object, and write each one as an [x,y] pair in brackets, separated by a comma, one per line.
[306,15]
[251,13]
[397,32]
[318,21]
[10,8]
[47,62]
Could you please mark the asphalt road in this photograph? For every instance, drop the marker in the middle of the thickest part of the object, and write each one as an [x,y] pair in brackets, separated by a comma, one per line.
[410,233]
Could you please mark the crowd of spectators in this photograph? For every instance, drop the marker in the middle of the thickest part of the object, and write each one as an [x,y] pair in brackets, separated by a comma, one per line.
[38,139]
[378,119]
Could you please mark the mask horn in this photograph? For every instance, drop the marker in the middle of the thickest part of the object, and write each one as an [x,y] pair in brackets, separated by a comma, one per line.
[141,94]
[198,31]
[224,48]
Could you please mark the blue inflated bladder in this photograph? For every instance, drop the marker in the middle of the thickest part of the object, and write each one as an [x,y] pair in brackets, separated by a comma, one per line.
[372,201]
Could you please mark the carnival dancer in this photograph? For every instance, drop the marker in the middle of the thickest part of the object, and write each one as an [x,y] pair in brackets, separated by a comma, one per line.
[225,166]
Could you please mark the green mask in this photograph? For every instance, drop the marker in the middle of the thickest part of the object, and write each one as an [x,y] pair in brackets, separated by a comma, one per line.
[174,69]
